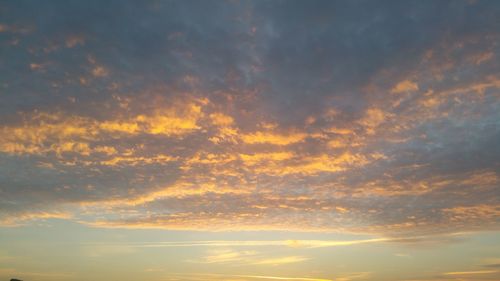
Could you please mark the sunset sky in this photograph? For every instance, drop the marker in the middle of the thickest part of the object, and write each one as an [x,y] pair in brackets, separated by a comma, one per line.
[250,140]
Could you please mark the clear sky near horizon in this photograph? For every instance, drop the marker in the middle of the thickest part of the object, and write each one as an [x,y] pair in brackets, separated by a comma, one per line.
[250,140]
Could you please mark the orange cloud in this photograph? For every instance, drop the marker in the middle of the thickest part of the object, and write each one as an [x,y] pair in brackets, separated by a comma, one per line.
[57,132]
[268,137]
[220,119]
[256,158]
[404,86]
[25,218]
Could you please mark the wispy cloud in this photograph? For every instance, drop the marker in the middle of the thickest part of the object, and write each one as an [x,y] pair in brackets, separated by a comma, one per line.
[245,257]
[209,276]
[257,243]
[470,272]
[227,256]
[281,260]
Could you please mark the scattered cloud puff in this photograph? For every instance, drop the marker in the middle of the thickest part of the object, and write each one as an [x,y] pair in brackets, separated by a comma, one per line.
[252,116]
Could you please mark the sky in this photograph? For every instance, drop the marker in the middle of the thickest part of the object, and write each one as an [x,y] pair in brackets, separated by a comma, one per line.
[250,140]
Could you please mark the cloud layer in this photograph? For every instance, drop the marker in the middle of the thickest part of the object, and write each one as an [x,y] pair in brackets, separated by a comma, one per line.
[357,116]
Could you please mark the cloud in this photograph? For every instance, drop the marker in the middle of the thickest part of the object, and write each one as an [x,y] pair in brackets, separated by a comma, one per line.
[405,86]
[226,256]
[470,272]
[221,251]
[241,257]
[26,217]
[282,260]
[256,116]
[208,276]
[272,138]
